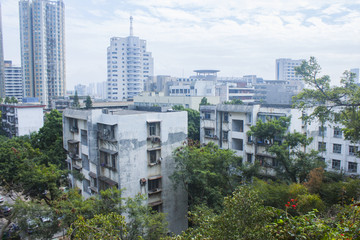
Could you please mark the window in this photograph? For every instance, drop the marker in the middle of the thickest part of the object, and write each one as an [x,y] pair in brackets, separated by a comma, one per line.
[322,131]
[108,159]
[154,185]
[73,124]
[93,182]
[249,157]
[209,132]
[207,116]
[85,162]
[225,135]
[337,148]
[353,150]
[106,132]
[86,185]
[337,132]
[336,164]
[84,137]
[154,129]
[321,146]
[238,125]
[352,167]
[237,144]
[154,157]
[226,117]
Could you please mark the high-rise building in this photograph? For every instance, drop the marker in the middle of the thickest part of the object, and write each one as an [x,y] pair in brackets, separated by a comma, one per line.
[2,80]
[285,69]
[42,40]
[128,66]
[13,80]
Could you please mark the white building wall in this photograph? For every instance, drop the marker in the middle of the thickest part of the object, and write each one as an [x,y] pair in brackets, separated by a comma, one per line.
[29,120]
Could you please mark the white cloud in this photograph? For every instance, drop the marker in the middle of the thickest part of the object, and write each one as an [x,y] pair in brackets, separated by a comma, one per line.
[235,36]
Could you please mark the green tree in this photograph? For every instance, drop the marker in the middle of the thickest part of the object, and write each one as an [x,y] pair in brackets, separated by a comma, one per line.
[204,101]
[49,140]
[76,103]
[234,102]
[207,173]
[88,102]
[102,226]
[143,221]
[288,149]
[193,122]
[7,100]
[243,217]
[339,104]
[13,100]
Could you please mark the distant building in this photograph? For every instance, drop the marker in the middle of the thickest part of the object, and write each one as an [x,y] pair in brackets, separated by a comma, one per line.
[152,99]
[356,71]
[129,150]
[21,119]
[276,91]
[227,126]
[61,103]
[101,90]
[42,40]
[285,69]
[129,65]
[13,81]
[81,90]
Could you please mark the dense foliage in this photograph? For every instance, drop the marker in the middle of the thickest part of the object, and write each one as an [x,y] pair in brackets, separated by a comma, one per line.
[293,163]
[193,122]
[207,173]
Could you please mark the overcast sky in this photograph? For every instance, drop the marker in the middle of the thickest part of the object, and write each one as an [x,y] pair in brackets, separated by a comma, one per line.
[237,37]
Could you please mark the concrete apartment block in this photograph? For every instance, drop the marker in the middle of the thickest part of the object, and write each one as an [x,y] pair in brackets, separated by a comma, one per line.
[131,150]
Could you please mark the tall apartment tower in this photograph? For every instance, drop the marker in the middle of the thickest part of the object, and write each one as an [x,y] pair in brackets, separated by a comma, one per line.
[2,77]
[129,65]
[13,80]
[285,69]
[42,40]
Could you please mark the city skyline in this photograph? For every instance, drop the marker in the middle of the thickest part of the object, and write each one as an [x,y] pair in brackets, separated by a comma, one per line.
[236,37]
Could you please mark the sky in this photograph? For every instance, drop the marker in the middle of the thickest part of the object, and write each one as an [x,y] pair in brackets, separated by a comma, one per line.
[237,37]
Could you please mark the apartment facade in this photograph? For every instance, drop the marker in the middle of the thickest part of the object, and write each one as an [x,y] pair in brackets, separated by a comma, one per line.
[129,150]
[42,40]
[285,69]
[21,119]
[227,126]
[13,81]
[129,65]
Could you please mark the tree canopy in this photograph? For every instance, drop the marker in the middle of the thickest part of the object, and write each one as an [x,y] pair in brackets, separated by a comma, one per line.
[207,173]
[293,162]
[338,104]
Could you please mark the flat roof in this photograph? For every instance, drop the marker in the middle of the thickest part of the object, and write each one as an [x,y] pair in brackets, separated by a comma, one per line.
[206,71]
[23,105]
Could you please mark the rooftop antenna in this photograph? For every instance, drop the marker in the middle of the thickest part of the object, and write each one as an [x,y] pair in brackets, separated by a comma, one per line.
[131,26]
